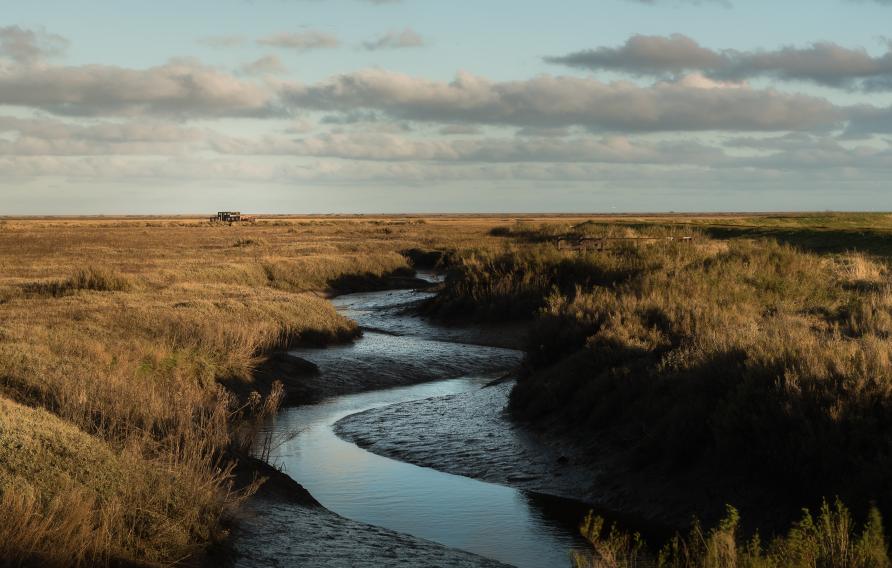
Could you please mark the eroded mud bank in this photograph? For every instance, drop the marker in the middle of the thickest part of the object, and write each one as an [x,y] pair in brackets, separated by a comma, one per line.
[274,532]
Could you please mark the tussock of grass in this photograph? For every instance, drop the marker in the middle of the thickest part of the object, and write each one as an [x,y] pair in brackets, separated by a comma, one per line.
[249,242]
[830,540]
[97,279]
[69,498]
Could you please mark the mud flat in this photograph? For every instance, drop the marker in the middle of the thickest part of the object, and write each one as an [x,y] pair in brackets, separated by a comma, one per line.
[278,533]
[373,510]
[469,434]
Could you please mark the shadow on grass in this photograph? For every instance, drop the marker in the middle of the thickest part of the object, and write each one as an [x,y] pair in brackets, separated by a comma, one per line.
[878,242]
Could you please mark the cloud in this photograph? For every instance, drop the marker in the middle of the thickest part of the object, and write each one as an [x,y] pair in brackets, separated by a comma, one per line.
[53,137]
[645,55]
[459,129]
[804,152]
[351,117]
[866,120]
[266,65]
[182,88]
[544,132]
[301,41]
[224,41]
[30,46]
[389,147]
[823,63]
[549,101]
[395,40]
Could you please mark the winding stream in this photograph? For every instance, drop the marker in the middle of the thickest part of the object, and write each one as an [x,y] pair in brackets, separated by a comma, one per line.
[494,521]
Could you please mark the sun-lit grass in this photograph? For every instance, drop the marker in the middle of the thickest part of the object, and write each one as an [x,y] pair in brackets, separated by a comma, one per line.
[116,438]
[830,540]
[115,335]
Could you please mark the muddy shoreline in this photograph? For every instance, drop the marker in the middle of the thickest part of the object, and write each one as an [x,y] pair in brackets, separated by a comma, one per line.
[282,516]
[467,434]
[282,524]
[493,447]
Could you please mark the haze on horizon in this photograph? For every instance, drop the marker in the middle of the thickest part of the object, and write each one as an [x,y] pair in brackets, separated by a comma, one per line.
[319,106]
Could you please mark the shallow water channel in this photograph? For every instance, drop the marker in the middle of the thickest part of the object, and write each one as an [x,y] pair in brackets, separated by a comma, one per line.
[495,521]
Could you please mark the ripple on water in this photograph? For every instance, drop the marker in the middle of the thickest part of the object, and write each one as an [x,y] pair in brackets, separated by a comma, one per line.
[491,520]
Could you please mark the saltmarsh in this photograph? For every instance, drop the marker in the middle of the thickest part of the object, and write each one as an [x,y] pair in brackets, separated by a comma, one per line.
[117,441]
[739,362]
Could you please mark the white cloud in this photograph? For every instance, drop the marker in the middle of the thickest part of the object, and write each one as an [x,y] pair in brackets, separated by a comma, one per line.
[550,101]
[183,88]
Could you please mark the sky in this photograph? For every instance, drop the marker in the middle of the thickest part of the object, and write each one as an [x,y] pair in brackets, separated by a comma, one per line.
[395,106]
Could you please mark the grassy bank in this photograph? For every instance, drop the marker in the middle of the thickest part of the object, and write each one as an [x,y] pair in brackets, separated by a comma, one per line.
[831,538]
[744,358]
[117,441]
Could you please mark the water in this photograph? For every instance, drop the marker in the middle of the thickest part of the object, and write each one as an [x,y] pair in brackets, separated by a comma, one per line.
[490,520]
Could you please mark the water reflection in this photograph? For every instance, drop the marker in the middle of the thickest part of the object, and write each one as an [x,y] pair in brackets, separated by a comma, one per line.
[491,520]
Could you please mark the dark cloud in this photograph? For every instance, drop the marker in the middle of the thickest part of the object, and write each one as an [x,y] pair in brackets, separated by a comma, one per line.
[545,132]
[548,101]
[459,130]
[351,117]
[646,55]
[824,63]
[866,120]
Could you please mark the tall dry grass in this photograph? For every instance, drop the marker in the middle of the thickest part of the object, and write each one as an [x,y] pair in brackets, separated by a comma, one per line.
[830,540]
[117,441]
[747,356]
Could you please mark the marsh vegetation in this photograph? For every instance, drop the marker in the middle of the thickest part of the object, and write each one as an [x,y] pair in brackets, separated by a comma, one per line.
[739,361]
[831,539]
[757,354]
[117,441]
